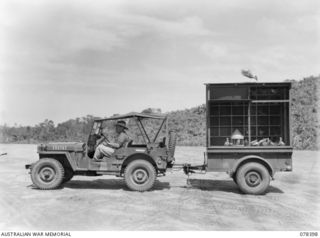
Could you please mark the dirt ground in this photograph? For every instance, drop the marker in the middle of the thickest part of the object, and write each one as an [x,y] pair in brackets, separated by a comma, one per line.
[212,203]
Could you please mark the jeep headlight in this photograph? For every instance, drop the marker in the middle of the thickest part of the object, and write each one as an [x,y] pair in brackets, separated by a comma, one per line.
[41,147]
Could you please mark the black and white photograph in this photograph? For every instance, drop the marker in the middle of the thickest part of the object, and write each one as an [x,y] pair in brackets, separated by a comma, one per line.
[181,115]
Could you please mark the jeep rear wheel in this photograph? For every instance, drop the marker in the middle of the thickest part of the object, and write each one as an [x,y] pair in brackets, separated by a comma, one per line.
[140,175]
[253,178]
[47,174]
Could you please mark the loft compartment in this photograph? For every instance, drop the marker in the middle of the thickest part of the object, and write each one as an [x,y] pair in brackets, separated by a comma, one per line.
[228,93]
[248,115]
[269,93]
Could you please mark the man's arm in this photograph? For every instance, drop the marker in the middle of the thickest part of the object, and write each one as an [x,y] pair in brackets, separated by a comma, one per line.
[114,145]
[122,139]
[99,141]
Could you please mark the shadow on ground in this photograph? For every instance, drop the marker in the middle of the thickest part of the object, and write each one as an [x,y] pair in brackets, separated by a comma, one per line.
[223,185]
[113,184]
[119,184]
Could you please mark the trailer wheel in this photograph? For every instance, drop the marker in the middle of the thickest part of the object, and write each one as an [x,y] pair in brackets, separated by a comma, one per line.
[253,178]
[140,175]
[47,174]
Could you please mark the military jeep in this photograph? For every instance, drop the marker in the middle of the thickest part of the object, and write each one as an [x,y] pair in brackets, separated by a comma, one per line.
[139,164]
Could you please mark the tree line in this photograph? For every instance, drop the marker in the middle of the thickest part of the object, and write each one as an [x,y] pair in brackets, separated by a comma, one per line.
[190,124]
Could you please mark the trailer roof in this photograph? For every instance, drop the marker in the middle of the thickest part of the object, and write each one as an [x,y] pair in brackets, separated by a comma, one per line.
[134,114]
[288,84]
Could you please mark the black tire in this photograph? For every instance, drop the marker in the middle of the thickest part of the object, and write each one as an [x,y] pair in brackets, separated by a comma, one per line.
[234,178]
[47,174]
[172,144]
[253,178]
[68,175]
[140,175]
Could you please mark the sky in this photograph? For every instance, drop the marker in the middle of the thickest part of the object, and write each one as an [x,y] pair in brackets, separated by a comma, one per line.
[62,59]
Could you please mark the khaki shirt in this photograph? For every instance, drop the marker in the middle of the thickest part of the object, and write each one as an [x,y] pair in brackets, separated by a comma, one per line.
[123,139]
[120,141]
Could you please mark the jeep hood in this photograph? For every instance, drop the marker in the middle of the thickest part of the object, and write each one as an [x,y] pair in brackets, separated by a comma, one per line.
[62,146]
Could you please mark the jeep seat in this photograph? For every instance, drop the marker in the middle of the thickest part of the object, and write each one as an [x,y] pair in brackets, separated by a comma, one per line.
[129,144]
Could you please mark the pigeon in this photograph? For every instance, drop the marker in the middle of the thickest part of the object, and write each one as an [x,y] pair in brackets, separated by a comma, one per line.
[247,73]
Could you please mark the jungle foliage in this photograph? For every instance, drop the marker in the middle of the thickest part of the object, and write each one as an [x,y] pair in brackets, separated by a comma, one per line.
[190,124]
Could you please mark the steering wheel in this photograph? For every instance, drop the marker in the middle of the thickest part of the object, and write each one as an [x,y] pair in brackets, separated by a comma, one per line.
[105,138]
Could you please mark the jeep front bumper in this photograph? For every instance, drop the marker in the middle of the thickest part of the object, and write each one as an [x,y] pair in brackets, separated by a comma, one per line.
[28,166]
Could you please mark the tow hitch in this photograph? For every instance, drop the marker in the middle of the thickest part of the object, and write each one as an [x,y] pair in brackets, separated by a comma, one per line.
[189,169]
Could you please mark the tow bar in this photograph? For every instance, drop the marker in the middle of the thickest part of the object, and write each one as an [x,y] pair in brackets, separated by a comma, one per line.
[189,169]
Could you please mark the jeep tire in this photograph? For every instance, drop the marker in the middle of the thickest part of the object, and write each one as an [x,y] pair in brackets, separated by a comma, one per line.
[140,175]
[253,178]
[47,174]
[68,175]
[234,178]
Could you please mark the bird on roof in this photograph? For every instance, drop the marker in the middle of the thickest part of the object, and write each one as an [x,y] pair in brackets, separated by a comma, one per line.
[247,73]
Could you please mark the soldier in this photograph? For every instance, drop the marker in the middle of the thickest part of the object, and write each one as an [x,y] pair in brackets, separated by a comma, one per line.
[107,148]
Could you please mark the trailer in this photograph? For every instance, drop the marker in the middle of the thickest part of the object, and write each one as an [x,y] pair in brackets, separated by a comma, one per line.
[248,133]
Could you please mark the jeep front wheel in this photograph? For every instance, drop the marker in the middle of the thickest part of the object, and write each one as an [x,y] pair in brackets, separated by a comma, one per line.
[47,174]
[140,175]
[68,175]
[253,178]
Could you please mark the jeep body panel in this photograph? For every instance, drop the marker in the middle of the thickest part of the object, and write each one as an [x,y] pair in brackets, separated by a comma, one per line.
[70,154]
[79,161]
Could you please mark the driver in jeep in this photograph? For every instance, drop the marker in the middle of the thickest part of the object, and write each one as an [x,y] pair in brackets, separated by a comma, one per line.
[107,148]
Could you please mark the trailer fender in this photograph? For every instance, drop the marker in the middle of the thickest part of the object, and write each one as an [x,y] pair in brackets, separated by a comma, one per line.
[252,158]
